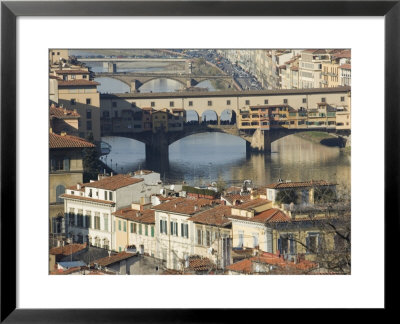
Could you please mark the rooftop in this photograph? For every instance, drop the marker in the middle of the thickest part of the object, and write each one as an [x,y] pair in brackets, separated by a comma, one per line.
[72,72]
[114,182]
[67,141]
[272,215]
[87,199]
[80,82]
[67,249]
[108,260]
[144,216]
[63,113]
[184,205]
[252,204]
[215,216]
[226,93]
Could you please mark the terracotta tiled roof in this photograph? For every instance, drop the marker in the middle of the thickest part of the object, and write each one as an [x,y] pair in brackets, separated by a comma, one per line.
[272,215]
[236,197]
[233,189]
[200,264]
[184,205]
[67,141]
[65,272]
[81,82]
[108,260]
[343,54]
[75,187]
[63,113]
[72,72]
[252,204]
[145,216]
[216,216]
[294,68]
[87,199]
[51,76]
[67,249]
[304,184]
[114,182]
[345,66]
[243,266]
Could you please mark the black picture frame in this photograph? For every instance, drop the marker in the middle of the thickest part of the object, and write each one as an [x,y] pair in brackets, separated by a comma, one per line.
[11,10]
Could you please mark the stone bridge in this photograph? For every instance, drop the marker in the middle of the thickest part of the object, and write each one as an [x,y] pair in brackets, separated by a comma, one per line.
[257,140]
[136,79]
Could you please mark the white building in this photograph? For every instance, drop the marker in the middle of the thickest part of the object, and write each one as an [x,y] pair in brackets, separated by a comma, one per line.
[88,207]
[175,234]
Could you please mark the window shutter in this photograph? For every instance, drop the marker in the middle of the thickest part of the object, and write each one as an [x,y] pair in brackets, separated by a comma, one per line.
[165,227]
[66,164]
[172,227]
[161,226]
[279,245]
[176,229]
[182,231]
[187,230]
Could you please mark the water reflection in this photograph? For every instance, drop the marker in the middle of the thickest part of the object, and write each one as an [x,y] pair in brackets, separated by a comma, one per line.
[201,158]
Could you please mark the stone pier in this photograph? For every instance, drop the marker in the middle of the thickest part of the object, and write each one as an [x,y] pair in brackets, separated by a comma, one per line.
[260,142]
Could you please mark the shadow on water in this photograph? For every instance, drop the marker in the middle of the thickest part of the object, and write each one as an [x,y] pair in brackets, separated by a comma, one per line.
[203,158]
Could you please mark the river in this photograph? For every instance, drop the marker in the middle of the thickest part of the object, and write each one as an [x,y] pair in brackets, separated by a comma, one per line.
[202,158]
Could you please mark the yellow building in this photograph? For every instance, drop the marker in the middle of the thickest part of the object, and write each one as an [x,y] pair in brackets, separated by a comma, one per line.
[57,55]
[66,169]
[135,229]
[160,120]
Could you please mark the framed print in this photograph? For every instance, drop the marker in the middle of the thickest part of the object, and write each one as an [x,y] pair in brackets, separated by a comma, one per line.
[255,66]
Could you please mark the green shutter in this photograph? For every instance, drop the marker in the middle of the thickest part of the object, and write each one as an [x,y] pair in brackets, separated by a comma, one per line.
[152,231]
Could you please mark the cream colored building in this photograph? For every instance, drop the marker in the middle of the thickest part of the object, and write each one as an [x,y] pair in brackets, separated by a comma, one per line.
[57,55]
[175,235]
[213,235]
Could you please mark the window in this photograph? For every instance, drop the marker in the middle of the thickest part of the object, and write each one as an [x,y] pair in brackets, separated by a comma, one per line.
[73,102]
[266,102]
[119,225]
[114,104]
[90,192]
[131,227]
[184,230]
[88,125]
[79,218]
[71,217]
[73,77]
[342,99]
[97,220]
[116,114]
[105,195]
[255,240]
[199,237]
[247,102]
[124,226]
[240,244]
[110,195]
[312,242]
[323,99]
[285,101]
[146,230]
[163,226]
[106,114]
[88,219]
[140,229]
[174,228]
[228,102]
[208,238]
[209,103]
[171,104]
[304,100]
[89,114]
[152,231]
[60,189]
[88,101]
[152,104]
[84,76]
[105,218]
[58,53]
[190,103]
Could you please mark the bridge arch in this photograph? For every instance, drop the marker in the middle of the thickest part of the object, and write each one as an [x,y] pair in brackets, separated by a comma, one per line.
[147,80]
[228,117]
[210,116]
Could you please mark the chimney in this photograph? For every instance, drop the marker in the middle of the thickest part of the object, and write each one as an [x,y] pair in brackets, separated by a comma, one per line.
[111,173]
[78,186]
[109,253]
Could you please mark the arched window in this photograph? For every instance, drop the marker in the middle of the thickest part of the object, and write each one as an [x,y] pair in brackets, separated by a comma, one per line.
[59,191]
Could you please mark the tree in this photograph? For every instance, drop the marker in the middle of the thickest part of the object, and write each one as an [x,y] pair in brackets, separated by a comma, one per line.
[286,196]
